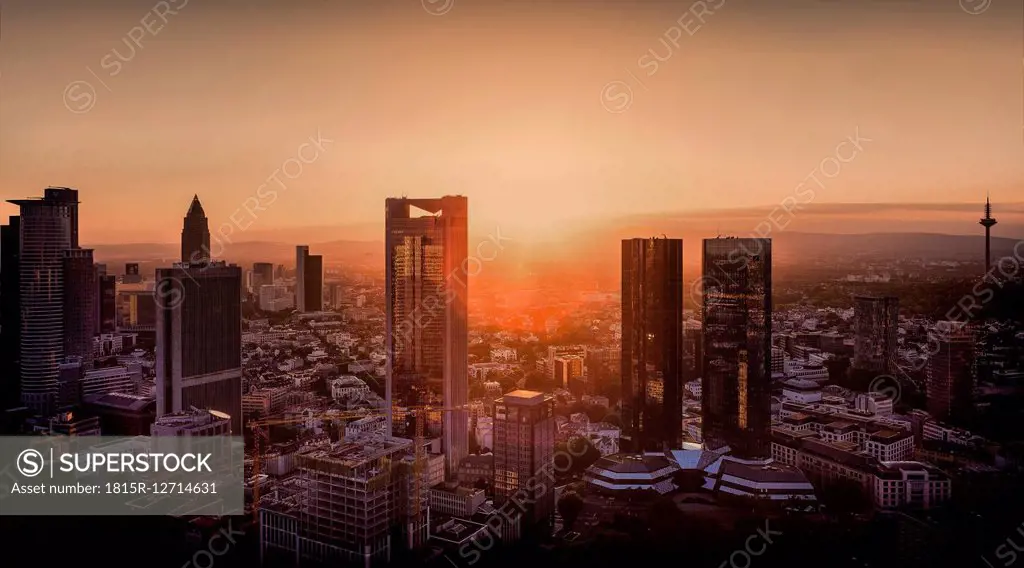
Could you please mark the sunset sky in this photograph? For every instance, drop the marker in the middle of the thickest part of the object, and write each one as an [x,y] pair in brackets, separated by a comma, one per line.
[504,101]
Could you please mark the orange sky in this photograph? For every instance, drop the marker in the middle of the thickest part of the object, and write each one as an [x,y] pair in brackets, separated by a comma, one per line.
[502,101]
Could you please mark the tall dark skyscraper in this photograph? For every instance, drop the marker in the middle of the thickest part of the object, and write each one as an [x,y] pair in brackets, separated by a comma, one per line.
[426,296]
[737,319]
[107,303]
[876,325]
[652,343]
[313,283]
[195,234]
[10,313]
[199,339]
[81,296]
[951,379]
[262,275]
[988,221]
[49,226]
[309,280]
[301,254]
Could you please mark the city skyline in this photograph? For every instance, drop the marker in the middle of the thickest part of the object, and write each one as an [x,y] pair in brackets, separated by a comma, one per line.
[718,281]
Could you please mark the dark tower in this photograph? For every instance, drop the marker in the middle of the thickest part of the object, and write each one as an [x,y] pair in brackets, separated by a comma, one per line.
[10,313]
[988,221]
[652,343]
[195,234]
[737,318]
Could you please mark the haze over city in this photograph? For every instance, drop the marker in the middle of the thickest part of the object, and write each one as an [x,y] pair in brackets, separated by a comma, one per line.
[511,283]
[502,101]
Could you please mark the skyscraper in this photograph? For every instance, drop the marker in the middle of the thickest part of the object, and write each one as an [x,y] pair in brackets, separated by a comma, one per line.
[49,226]
[262,274]
[199,340]
[426,295]
[301,254]
[652,343]
[131,273]
[313,283]
[950,377]
[10,313]
[876,324]
[524,444]
[107,303]
[81,296]
[737,319]
[195,234]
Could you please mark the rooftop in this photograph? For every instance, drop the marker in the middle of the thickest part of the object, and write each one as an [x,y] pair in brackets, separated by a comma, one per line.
[524,397]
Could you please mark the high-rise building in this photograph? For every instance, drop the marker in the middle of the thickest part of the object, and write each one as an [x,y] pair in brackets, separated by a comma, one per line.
[275,298]
[950,377]
[556,351]
[426,303]
[313,282]
[49,226]
[568,370]
[262,274]
[131,273]
[301,254]
[107,303]
[81,296]
[652,343]
[195,234]
[876,324]
[736,318]
[199,340]
[524,443]
[10,313]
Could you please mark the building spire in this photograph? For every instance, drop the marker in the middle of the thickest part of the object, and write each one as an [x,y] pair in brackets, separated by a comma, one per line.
[196,208]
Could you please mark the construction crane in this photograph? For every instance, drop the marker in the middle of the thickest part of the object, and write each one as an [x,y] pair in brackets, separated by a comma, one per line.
[261,433]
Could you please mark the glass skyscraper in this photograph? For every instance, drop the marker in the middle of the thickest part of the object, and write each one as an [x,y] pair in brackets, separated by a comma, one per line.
[737,318]
[652,343]
[426,303]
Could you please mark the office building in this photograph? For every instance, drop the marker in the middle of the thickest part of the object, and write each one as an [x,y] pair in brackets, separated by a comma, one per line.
[524,442]
[131,273]
[81,298]
[274,298]
[193,422]
[107,306]
[736,319]
[951,379]
[199,340]
[426,302]
[195,234]
[556,351]
[652,343]
[313,283]
[262,275]
[569,372]
[301,254]
[876,324]
[10,313]
[49,226]
[122,414]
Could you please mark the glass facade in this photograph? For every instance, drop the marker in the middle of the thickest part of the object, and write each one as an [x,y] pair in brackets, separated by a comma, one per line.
[736,317]
[426,303]
[652,343]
